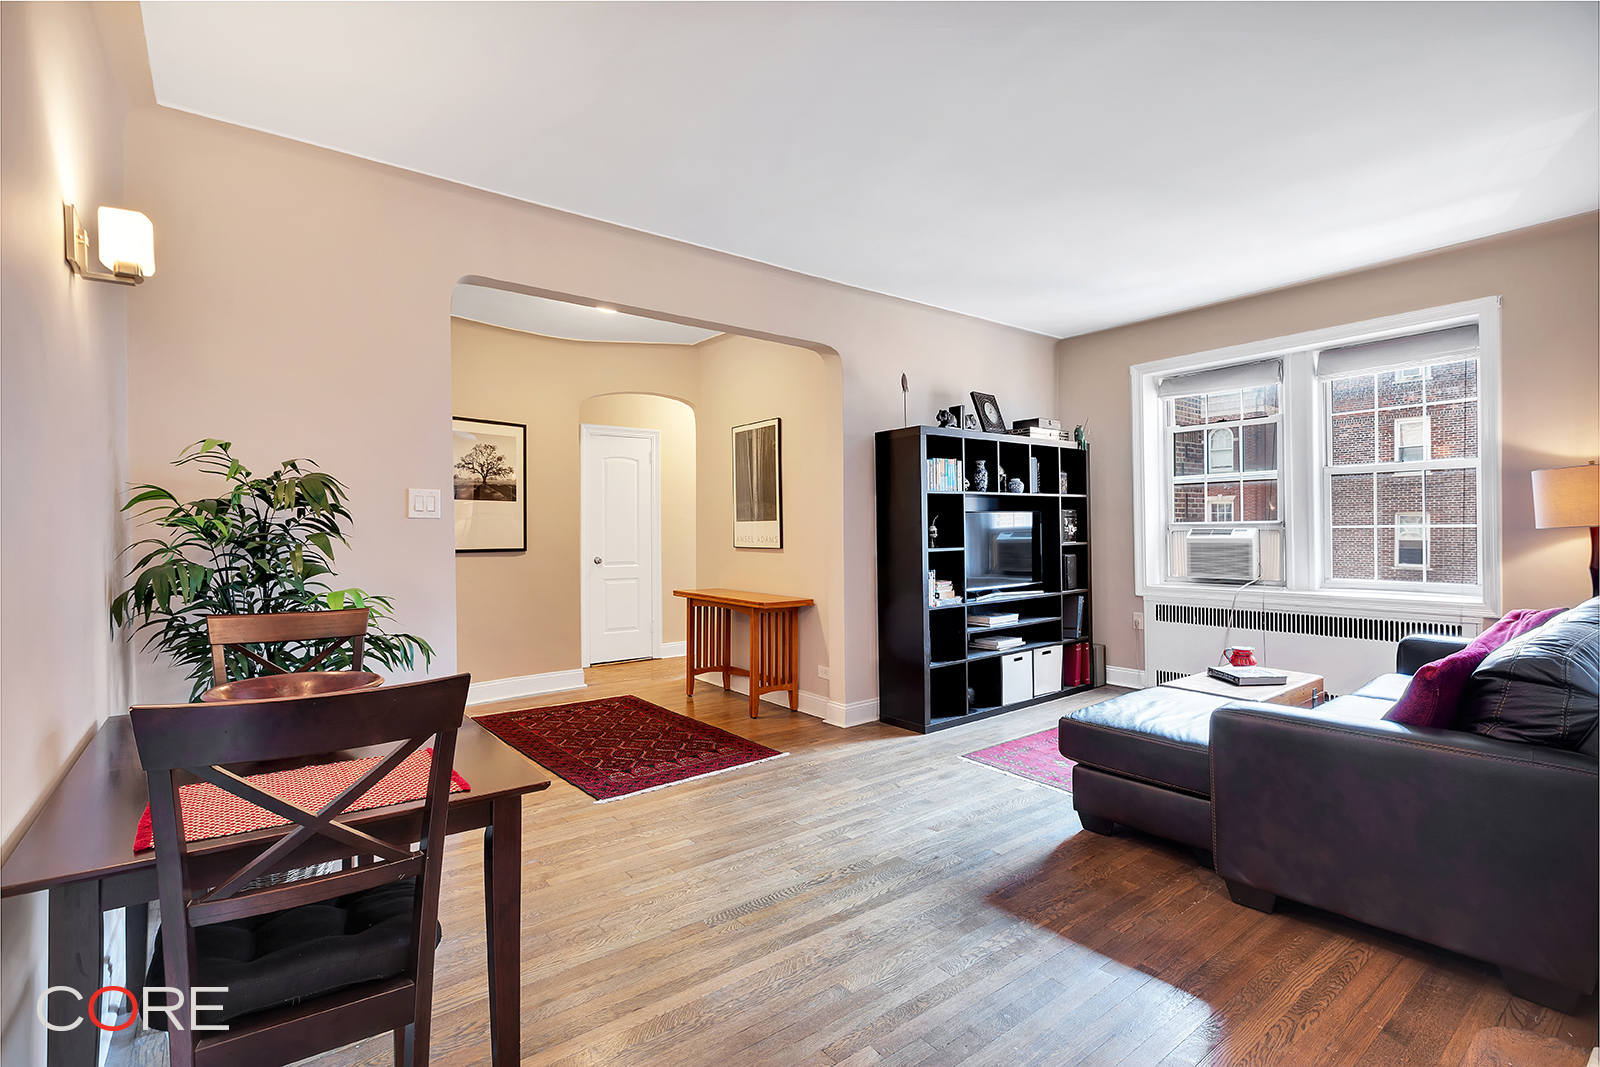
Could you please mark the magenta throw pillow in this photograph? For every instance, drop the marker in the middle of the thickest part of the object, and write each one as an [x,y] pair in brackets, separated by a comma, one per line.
[1431,698]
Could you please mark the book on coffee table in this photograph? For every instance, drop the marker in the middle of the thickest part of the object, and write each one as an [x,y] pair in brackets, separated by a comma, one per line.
[1248,675]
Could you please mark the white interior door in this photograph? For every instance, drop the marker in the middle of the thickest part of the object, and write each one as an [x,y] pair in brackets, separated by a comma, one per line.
[621,543]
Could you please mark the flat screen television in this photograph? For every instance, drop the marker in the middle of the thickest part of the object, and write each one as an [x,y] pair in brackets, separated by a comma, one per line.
[1002,550]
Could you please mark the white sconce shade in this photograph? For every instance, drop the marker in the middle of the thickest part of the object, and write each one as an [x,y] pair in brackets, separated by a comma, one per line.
[1566,496]
[127,241]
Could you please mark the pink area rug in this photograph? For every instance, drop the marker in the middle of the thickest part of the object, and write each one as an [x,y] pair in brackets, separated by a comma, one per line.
[1035,757]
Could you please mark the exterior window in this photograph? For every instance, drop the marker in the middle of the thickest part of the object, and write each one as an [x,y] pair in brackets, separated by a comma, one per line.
[1411,539]
[1403,476]
[1411,440]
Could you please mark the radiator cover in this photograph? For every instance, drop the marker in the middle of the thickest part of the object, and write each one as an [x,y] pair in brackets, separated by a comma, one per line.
[1347,650]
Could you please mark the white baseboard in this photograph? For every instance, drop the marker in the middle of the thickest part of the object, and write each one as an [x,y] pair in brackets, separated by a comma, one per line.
[832,712]
[674,649]
[528,685]
[1126,677]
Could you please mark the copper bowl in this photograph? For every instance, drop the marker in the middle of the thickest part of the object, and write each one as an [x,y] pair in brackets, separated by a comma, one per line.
[304,684]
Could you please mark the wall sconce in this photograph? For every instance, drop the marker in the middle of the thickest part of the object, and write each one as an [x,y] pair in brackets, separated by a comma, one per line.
[127,245]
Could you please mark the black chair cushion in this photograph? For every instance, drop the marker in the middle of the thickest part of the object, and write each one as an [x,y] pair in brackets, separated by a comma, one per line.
[269,961]
[1543,687]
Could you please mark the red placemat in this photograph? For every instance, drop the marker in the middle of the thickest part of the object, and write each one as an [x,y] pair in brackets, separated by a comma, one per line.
[211,812]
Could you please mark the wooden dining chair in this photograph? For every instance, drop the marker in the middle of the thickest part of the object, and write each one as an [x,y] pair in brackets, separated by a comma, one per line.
[311,965]
[235,632]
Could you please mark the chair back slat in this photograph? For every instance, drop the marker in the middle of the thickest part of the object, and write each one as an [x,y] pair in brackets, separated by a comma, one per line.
[234,731]
[235,631]
[269,899]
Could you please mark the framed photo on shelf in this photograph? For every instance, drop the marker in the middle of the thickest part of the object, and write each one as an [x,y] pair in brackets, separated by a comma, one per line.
[490,472]
[758,484]
[988,410]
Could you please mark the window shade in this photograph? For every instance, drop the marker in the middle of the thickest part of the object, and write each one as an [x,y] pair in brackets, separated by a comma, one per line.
[1219,379]
[1457,342]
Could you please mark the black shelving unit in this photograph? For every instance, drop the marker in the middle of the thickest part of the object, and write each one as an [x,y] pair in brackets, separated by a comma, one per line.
[925,664]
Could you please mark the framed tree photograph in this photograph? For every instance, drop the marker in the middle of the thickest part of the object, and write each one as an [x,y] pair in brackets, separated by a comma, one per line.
[758,484]
[491,500]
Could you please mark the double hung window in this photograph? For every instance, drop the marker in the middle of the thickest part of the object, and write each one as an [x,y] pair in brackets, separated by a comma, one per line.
[1353,461]
[1222,430]
[1401,467]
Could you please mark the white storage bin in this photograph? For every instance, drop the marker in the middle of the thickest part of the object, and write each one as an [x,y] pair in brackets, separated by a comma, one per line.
[1047,670]
[1016,677]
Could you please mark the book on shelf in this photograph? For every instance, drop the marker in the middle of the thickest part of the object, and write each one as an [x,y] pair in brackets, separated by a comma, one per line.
[996,644]
[1072,618]
[944,475]
[1033,474]
[1001,618]
[1043,424]
[1037,432]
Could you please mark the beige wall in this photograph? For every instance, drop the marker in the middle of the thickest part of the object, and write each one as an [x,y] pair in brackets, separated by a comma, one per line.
[1550,391]
[675,421]
[745,380]
[63,443]
[518,612]
[303,308]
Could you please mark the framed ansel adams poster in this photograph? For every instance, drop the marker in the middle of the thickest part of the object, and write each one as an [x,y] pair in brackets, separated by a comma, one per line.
[758,484]
[490,485]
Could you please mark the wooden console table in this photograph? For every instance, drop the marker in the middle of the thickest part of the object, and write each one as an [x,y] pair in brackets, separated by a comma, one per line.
[774,640]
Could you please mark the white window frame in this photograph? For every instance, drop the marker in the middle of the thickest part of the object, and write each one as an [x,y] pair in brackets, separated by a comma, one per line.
[1301,452]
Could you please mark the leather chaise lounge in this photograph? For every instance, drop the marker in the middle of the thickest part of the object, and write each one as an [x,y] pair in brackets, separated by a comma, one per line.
[1484,845]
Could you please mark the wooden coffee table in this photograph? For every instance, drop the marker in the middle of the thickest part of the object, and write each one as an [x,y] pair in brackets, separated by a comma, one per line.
[1301,691]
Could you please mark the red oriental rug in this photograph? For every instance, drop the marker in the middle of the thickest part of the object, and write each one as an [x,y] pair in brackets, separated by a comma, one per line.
[622,745]
[1035,757]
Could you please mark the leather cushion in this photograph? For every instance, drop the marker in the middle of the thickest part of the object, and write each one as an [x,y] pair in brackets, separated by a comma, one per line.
[1390,687]
[268,961]
[1158,735]
[1543,687]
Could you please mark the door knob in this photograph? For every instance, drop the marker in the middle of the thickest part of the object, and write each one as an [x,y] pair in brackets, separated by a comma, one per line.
[597,559]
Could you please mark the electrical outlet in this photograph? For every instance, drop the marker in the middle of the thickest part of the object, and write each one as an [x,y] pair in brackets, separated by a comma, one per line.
[822,671]
[423,504]
[1138,620]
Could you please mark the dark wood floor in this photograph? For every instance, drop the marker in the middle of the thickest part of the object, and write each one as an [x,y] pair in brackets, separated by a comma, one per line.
[875,899]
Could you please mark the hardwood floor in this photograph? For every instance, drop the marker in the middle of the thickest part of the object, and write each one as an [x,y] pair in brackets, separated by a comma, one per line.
[875,899]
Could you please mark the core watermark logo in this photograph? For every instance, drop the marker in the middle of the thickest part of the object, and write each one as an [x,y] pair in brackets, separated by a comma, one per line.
[174,1002]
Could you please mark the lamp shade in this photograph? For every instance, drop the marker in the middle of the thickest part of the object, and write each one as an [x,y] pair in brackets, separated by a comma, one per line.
[1566,496]
[128,239]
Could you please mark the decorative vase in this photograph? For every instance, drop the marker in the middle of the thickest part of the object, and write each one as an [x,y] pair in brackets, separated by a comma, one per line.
[980,480]
[1015,486]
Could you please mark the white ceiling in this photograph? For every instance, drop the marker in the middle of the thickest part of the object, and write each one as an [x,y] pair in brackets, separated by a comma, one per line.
[1059,167]
[575,322]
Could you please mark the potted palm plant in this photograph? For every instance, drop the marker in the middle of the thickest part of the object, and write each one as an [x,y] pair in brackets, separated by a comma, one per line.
[261,545]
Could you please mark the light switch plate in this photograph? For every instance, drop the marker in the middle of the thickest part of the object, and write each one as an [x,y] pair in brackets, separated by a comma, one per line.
[423,504]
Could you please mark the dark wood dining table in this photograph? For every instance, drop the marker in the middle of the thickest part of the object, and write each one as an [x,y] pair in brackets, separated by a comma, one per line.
[79,850]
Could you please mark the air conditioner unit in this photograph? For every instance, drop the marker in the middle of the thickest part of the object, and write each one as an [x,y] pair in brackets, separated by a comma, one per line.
[1232,554]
